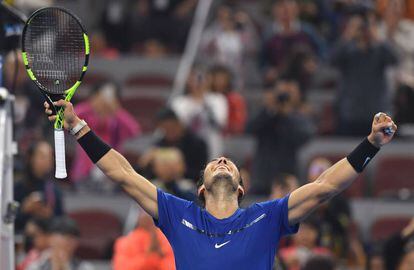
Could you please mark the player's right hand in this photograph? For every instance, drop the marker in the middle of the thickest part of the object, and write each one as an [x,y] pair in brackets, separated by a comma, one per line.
[379,136]
[70,117]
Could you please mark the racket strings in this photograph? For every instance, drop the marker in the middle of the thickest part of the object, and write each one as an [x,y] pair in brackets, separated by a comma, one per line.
[55,48]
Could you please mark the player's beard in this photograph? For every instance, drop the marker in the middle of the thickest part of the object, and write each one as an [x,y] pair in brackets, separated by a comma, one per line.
[222,183]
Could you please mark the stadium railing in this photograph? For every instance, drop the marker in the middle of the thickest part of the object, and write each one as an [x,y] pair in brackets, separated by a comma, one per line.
[7,206]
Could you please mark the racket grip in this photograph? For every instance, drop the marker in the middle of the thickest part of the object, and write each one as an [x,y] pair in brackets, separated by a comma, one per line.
[60,161]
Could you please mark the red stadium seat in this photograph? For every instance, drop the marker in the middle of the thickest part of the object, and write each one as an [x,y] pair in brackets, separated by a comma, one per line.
[148,80]
[393,174]
[98,231]
[326,119]
[144,110]
[93,78]
[385,227]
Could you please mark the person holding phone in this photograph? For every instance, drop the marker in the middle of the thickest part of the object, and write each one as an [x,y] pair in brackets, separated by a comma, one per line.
[103,112]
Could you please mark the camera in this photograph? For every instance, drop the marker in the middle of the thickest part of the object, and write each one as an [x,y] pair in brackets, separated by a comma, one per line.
[282,97]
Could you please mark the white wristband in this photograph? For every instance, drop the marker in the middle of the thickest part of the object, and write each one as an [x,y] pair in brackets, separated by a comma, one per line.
[78,127]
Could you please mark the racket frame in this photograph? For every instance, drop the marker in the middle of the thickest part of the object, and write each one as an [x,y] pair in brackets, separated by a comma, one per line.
[50,98]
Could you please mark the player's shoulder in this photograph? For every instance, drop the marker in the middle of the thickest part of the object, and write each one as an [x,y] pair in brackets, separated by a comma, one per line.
[269,204]
[166,197]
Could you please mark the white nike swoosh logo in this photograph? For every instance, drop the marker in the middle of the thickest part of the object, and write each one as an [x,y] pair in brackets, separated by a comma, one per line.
[366,161]
[219,246]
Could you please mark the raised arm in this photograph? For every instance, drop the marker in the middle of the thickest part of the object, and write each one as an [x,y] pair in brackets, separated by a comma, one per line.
[118,169]
[342,174]
[111,163]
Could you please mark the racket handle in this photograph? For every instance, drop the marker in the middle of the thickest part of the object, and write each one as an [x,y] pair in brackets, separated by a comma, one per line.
[60,161]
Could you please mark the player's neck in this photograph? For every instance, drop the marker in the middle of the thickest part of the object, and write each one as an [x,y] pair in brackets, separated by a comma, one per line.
[221,205]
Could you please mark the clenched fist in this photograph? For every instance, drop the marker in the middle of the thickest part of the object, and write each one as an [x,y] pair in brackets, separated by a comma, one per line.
[383,130]
[70,117]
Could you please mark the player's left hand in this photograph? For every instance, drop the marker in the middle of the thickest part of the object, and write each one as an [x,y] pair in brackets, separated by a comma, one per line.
[383,130]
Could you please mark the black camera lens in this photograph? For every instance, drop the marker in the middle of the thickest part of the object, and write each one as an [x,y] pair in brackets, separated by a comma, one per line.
[283,97]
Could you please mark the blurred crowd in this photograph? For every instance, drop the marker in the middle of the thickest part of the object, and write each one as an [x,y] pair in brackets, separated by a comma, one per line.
[326,240]
[291,42]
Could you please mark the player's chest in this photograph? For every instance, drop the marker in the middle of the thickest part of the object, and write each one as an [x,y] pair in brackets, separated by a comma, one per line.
[242,236]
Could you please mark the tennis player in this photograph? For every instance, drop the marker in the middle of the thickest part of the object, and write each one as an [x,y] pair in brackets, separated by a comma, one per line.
[219,234]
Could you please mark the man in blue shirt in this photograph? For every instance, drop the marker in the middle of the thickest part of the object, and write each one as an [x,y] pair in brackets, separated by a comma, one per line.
[221,235]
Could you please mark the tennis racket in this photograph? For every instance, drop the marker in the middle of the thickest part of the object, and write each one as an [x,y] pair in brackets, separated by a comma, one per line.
[55,49]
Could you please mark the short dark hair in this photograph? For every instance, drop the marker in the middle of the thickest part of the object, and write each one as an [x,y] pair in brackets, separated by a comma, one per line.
[313,222]
[43,224]
[65,226]
[217,69]
[202,200]
[29,154]
[319,262]
[166,114]
[281,180]
[97,87]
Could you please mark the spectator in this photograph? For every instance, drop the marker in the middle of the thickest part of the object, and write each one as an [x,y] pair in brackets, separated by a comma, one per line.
[407,261]
[362,60]
[407,11]
[103,112]
[228,39]
[29,6]
[399,32]
[220,41]
[100,47]
[403,109]
[137,26]
[169,168]
[165,22]
[171,20]
[148,35]
[335,217]
[280,129]
[305,245]
[37,194]
[29,125]
[335,223]
[204,113]
[376,262]
[174,29]
[399,249]
[247,29]
[329,16]
[283,185]
[316,167]
[64,240]
[309,11]
[36,241]
[114,25]
[154,49]
[319,263]
[356,257]
[222,82]
[302,67]
[284,37]
[145,248]
[175,134]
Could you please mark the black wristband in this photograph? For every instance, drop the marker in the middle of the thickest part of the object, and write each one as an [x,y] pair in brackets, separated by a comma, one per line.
[362,154]
[93,146]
